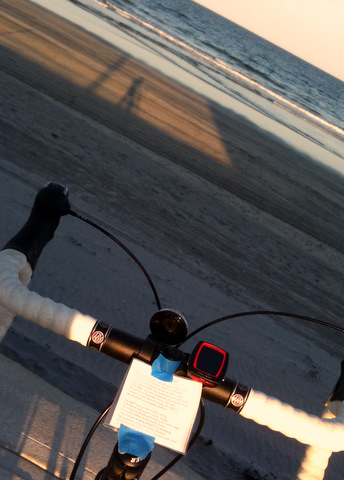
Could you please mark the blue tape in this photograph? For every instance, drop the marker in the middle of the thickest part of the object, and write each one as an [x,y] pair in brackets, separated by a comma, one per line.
[133,442]
[163,369]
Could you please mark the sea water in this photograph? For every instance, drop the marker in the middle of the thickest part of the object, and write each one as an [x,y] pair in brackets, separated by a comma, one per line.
[233,57]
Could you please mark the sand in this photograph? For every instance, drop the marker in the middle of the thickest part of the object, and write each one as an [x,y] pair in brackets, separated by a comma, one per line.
[225,216]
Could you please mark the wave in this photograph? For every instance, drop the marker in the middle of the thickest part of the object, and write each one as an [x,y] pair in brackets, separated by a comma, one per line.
[283,101]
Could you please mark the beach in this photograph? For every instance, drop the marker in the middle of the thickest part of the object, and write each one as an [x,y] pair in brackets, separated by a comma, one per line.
[225,215]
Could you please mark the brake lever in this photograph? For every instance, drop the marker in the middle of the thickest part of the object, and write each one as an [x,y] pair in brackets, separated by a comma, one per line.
[338,390]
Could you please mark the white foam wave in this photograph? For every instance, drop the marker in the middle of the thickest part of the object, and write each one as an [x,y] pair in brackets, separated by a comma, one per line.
[235,74]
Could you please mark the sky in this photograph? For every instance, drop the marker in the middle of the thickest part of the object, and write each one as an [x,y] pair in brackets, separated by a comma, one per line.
[310,29]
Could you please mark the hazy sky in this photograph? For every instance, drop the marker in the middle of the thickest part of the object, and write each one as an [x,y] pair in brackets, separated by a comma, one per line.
[310,29]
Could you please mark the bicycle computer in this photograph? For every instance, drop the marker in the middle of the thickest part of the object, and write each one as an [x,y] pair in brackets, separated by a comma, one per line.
[207,364]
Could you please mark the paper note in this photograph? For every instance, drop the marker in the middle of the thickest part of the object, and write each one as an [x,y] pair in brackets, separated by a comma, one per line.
[163,410]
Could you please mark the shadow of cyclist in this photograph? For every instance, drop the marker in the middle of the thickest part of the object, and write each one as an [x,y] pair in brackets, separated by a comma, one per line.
[131,99]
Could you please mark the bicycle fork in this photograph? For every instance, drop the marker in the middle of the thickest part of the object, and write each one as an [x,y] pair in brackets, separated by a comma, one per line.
[123,466]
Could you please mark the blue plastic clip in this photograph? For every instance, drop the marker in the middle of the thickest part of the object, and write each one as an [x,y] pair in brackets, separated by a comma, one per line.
[133,442]
[163,369]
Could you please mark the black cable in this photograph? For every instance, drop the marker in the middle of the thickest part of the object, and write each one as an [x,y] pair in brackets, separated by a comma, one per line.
[87,441]
[119,243]
[192,441]
[198,330]
[156,296]
[158,475]
[263,312]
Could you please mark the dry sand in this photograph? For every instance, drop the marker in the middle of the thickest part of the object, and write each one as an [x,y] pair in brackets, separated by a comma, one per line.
[224,215]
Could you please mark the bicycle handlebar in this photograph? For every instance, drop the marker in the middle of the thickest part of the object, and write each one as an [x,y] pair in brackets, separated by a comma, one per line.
[17,299]
[19,258]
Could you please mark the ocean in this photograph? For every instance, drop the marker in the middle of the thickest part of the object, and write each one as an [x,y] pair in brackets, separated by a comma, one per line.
[231,56]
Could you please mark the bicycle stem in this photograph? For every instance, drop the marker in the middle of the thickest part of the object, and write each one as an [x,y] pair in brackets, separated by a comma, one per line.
[123,466]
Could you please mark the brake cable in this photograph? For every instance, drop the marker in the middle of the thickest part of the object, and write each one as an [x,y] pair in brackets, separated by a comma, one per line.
[196,331]
[87,441]
[263,312]
[119,243]
[103,414]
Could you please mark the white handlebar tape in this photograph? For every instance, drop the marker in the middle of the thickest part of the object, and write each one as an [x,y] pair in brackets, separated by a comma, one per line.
[6,317]
[309,429]
[15,297]
[315,460]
